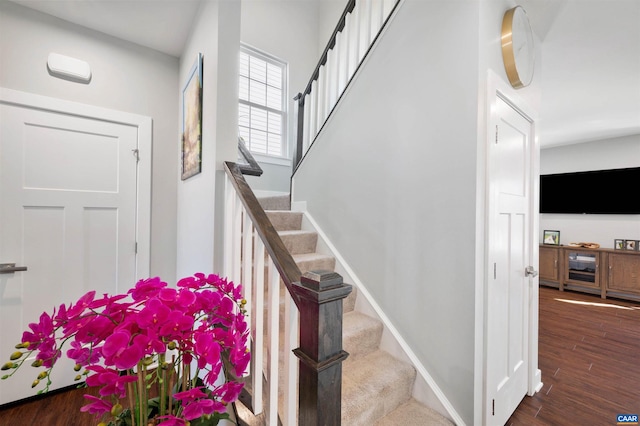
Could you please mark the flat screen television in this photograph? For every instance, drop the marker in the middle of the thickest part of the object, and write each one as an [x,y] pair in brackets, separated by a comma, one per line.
[615,191]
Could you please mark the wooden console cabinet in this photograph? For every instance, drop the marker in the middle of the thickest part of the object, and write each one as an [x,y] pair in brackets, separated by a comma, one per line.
[606,272]
[550,266]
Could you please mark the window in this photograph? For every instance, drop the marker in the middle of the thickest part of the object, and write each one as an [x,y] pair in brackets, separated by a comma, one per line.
[262,114]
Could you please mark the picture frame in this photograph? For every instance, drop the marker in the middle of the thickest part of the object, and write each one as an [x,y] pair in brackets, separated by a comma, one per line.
[618,244]
[191,136]
[551,238]
[630,244]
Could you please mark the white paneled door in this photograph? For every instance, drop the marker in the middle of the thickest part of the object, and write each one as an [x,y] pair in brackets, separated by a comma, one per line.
[510,256]
[68,206]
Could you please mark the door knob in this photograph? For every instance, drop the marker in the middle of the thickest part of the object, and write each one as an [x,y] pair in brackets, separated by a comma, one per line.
[8,268]
[530,271]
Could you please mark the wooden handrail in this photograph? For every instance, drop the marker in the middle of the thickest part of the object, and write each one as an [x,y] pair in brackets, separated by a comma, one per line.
[282,259]
[300,97]
[252,167]
[332,42]
[318,296]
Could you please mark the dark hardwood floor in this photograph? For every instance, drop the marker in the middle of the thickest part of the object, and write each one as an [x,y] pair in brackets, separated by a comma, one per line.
[589,354]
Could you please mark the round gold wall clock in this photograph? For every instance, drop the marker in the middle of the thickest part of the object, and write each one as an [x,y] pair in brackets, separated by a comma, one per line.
[518,51]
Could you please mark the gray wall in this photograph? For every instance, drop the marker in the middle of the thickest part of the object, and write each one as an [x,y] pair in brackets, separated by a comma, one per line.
[126,77]
[404,185]
[599,155]
[397,182]
[215,34]
[287,29]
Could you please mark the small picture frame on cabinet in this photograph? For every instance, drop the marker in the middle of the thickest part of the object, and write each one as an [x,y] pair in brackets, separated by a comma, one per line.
[551,238]
[618,244]
[630,244]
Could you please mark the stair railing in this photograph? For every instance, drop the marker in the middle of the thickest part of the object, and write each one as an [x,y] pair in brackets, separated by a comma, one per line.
[311,387]
[357,30]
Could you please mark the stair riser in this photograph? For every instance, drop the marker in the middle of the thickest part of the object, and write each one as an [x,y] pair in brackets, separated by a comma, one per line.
[300,243]
[285,220]
[361,336]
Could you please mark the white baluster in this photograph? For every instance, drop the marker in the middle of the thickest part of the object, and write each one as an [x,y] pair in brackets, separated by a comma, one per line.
[376,17]
[229,202]
[342,46]
[364,38]
[332,78]
[322,97]
[313,111]
[273,314]
[237,240]
[247,257]
[306,131]
[354,42]
[291,335]
[257,326]
[387,7]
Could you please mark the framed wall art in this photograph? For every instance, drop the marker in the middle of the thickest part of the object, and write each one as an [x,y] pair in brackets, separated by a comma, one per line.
[551,237]
[191,137]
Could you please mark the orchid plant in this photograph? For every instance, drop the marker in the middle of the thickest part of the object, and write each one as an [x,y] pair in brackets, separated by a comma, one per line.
[157,349]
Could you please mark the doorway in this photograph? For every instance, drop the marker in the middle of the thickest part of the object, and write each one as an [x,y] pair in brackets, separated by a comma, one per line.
[74,211]
[511,284]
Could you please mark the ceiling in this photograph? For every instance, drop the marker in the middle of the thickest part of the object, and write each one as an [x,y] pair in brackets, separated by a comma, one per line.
[162,25]
[590,65]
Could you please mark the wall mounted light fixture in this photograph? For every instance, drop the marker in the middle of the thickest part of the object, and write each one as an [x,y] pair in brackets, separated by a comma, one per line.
[68,68]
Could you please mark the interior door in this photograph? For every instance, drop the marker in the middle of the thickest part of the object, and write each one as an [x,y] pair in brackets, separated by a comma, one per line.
[67,214]
[510,253]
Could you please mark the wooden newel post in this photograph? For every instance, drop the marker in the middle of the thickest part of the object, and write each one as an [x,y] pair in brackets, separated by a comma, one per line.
[320,353]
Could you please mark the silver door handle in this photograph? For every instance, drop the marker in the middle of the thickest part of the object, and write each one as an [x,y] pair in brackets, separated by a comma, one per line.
[8,268]
[530,271]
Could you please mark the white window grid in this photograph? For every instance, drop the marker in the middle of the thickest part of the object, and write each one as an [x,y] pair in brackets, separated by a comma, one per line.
[262,109]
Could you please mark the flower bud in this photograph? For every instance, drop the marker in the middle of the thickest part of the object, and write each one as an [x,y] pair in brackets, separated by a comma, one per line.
[78,377]
[42,375]
[15,355]
[116,409]
[37,363]
[243,302]
[35,383]
[147,360]
[77,367]
[23,345]
[8,365]
[172,345]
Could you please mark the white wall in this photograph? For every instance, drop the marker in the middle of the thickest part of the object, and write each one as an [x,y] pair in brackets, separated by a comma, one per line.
[126,77]
[404,185]
[215,34]
[408,183]
[288,30]
[615,153]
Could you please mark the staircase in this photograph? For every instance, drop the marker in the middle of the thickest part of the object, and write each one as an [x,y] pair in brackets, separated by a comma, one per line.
[376,387]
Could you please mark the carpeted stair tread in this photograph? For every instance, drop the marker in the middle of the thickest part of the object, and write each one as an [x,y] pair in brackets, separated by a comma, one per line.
[284,220]
[299,242]
[376,387]
[314,262]
[373,387]
[360,335]
[413,414]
